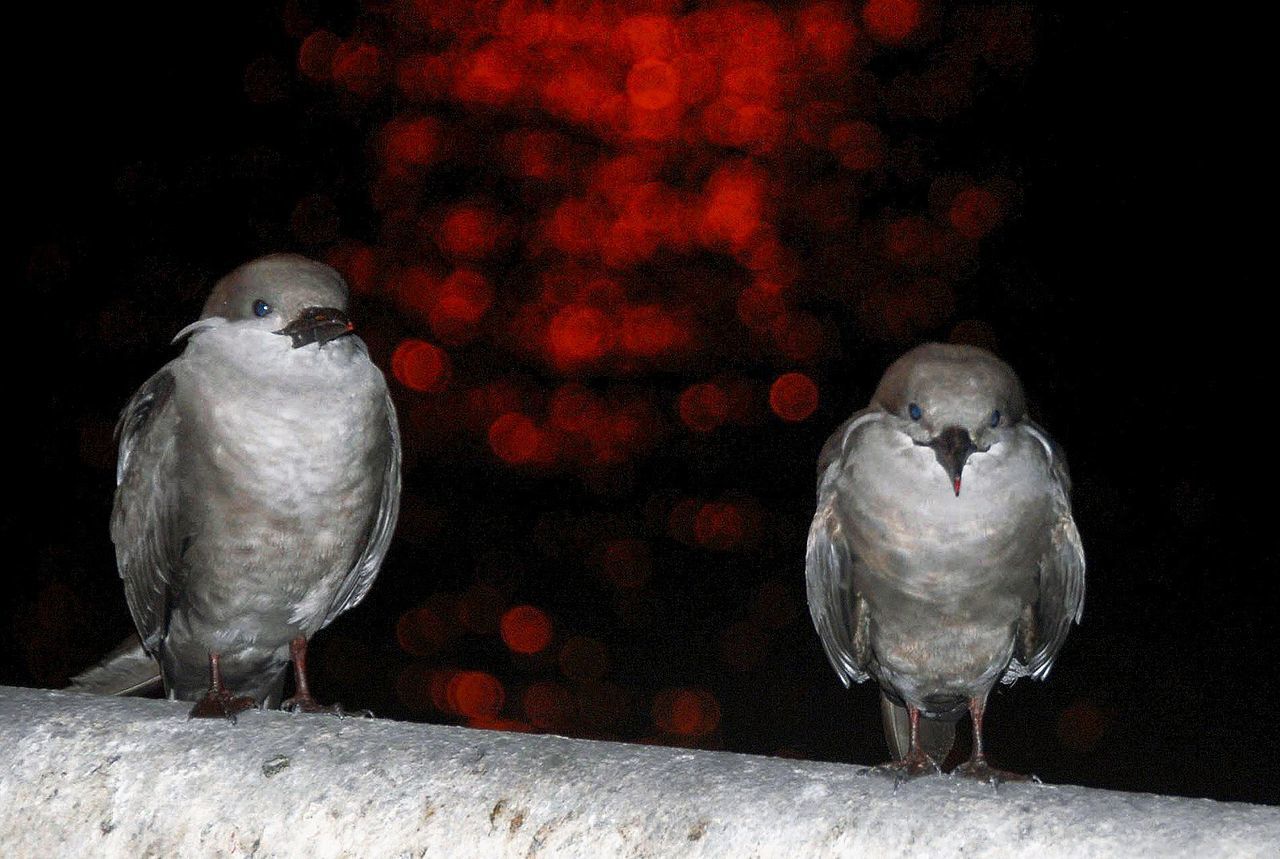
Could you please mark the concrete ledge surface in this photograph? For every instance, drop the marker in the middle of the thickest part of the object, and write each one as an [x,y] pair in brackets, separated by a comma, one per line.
[92,776]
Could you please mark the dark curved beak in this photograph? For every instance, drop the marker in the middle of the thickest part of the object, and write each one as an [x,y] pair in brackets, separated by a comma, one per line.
[317,325]
[952,447]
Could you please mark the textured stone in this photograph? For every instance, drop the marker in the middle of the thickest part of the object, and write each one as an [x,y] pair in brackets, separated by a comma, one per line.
[85,775]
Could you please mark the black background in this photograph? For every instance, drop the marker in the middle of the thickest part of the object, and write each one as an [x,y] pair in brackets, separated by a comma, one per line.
[141,172]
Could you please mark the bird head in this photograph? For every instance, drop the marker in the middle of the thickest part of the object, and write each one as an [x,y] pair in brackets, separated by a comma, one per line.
[284,294]
[955,400]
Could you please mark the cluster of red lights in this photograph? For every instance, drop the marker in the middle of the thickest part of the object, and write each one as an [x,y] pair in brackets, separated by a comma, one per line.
[608,225]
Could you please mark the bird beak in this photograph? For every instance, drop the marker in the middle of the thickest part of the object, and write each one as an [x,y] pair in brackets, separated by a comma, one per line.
[952,447]
[317,325]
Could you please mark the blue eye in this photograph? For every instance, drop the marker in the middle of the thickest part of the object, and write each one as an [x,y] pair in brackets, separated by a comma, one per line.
[995,418]
[261,308]
[914,411]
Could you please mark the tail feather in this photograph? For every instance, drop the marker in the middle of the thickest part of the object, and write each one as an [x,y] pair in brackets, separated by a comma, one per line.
[936,737]
[127,670]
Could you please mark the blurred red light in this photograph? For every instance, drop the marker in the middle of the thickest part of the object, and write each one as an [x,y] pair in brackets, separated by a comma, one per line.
[479,609]
[315,55]
[514,438]
[653,84]
[793,396]
[826,35]
[459,303]
[891,21]
[703,407]
[579,333]
[490,76]
[627,562]
[422,631]
[734,203]
[468,230]
[719,525]
[475,694]
[974,212]
[689,712]
[418,365]
[413,141]
[526,629]
[359,68]
[859,145]
[649,331]
[574,408]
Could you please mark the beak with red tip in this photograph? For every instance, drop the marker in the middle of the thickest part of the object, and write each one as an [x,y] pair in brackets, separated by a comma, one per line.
[952,448]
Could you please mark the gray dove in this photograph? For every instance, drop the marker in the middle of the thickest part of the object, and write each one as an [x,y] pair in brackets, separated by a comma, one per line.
[943,557]
[258,486]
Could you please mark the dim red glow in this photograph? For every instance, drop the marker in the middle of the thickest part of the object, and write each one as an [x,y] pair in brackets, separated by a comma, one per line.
[703,407]
[413,141]
[479,609]
[548,706]
[574,408]
[689,712]
[579,333]
[359,68]
[422,631]
[315,55]
[734,204]
[468,230]
[515,438]
[826,35]
[653,84]
[974,212]
[526,629]
[859,145]
[719,525]
[797,335]
[793,396]
[418,365]
[1081,726]
[583,658]
[491,76]
[891,21]
[459,303]
[475,694]
[758,306]
[627,562]
[358,266]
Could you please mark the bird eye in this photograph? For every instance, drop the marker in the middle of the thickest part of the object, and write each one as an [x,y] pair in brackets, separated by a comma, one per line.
[995,418]
[914,411]
[261,308]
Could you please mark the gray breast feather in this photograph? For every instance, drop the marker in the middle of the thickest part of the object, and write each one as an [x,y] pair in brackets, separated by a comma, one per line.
[360,579]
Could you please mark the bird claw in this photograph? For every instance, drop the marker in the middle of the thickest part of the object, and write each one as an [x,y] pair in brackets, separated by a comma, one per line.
[911,767]
[307,704]
[980,770]
[221,704]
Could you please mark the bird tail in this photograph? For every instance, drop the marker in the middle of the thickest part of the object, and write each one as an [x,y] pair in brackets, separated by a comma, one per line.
[936,737]
[127,670]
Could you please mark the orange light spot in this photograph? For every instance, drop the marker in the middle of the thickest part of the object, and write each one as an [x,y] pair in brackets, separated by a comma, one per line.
[890,22]
[548,705]
[703,407]
[653,84]
[514,438]
[418,365]
[719,525]
[974,212]
[526,629]
[688,712]
[413,141]
[475,694]
[583,658]
[793,396]
[859,145]
[579,333]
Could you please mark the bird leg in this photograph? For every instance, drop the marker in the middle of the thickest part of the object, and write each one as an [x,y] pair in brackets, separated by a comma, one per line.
[977,767]
[302,700]
[218,703]
[917,761]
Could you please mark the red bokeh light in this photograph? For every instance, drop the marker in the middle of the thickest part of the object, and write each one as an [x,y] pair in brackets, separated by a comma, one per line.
[719,525]
[974,212]
[469,230]
[515,438]
[793,396]
[423,631]
[579,333]
[703,407]
[627,562]
[549,706]
[414,141]
[418,365]
[653,84]
[474,694]
[891,22]
[688,712]
[526,629]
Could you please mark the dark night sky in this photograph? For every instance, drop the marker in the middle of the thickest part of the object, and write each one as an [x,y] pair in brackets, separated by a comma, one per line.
[143,171]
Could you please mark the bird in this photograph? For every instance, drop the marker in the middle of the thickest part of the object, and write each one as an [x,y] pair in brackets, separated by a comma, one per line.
[258,487]
[943,557]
